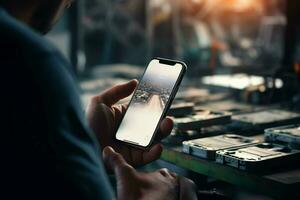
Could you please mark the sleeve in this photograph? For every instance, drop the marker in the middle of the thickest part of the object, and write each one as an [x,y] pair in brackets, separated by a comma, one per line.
[77,157]
[49,151]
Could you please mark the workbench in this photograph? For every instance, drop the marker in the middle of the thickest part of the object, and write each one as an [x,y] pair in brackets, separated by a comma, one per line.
[283,184]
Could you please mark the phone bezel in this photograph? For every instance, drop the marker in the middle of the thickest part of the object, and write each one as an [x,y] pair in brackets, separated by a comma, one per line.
[168,104]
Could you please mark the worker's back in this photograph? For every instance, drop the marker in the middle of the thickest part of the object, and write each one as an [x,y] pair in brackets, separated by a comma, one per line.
[48,152]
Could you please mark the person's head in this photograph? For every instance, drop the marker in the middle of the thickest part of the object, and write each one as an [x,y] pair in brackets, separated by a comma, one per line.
[41,15]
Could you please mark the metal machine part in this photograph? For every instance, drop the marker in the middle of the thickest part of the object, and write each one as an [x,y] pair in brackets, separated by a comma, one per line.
[207,147]
[289,134]
[258,157]
[202,118]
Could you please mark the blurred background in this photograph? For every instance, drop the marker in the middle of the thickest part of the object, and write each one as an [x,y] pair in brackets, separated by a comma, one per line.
[207,34]
[243,56]
[117,38]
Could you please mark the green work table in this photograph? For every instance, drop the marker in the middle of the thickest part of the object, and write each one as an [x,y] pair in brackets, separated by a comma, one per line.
[279,185]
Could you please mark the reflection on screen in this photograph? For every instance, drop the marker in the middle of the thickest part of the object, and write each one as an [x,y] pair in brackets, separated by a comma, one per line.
[148,103]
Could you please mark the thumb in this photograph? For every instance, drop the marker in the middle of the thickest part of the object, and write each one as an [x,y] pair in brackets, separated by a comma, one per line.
[116,163]
[116,93]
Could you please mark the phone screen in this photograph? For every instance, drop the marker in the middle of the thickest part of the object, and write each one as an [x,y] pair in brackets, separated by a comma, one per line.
[149,103]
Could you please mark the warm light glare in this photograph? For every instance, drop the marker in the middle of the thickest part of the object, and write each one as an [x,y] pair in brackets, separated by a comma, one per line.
[240,81]
[244,4]
[241,5]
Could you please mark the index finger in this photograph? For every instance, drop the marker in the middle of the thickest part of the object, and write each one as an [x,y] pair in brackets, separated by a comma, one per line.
[187,189]
[115,161]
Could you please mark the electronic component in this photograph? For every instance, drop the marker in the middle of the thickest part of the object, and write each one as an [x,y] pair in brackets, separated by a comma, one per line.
[289,134]
[263,119]
[181,109]
[258,157]
[207,147]
[201,118]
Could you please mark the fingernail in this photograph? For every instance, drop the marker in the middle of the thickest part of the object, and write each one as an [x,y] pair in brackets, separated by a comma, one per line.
[134,80]
[108,150]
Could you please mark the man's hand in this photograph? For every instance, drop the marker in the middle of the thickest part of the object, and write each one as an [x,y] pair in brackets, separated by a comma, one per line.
[160,184]
[104,117]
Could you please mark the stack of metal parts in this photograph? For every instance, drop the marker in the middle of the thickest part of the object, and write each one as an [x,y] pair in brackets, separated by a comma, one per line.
[191,123]
[280,145]
[233,135]
[289,135]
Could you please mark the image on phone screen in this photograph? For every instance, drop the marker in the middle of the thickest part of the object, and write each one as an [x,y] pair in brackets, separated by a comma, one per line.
[148,103]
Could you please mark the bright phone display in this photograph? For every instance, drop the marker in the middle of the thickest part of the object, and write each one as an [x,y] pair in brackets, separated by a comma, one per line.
[150,102]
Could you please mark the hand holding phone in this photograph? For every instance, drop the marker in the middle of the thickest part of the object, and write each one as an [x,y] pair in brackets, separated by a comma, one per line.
[150,102]
[104,115]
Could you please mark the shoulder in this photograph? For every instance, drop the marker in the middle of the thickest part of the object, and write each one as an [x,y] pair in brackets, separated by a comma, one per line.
[20,44]
[24,50]
[16,36]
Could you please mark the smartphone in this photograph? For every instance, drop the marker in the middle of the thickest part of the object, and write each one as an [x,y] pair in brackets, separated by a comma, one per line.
[150,102]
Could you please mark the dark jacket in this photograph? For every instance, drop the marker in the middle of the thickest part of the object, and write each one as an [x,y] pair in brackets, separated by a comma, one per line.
[48,151]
